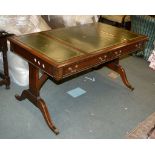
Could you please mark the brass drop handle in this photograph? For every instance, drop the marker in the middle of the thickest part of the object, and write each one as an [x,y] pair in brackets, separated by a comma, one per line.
[76,66]
[71,70]
[118,52]
[103,58]
[100,58]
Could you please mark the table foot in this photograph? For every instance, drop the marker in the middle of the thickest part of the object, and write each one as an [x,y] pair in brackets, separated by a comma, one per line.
[22,96]
[119,69]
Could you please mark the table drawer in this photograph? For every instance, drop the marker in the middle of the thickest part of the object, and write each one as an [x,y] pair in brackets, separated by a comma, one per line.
[99,59]
[85,64]
[126,50]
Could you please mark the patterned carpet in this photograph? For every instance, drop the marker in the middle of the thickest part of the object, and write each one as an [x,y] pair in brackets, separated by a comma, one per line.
[144,130]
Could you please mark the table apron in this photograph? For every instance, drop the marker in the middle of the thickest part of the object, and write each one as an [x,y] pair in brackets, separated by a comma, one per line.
[101,58]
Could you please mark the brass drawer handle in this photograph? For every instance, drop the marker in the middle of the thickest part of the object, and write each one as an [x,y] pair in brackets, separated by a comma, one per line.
[136,45]
[71,70]
[76,66]
[102,58]
[118,53]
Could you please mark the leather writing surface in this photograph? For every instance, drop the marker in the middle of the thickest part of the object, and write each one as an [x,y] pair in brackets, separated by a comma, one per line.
[66,43]
[49,47]
[92,37]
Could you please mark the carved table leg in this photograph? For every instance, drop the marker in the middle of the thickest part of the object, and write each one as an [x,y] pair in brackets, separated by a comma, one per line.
[43,108]
[33,95]
[114,65]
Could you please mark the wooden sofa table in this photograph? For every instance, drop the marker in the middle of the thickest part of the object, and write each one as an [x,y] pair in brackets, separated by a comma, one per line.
[3,48]
[64,52]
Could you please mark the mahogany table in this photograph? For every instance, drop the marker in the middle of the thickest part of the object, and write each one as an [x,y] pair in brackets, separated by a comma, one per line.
[3,48]
[64,52]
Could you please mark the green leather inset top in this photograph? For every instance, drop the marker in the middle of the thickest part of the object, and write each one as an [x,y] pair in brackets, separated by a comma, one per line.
[92,37]
[65,43]
[49,47]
